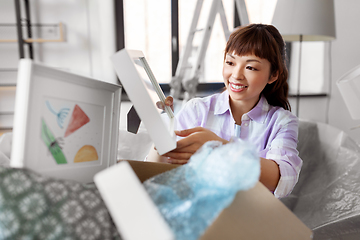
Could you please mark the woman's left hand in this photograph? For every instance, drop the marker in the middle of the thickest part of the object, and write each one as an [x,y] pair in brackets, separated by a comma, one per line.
[193,139]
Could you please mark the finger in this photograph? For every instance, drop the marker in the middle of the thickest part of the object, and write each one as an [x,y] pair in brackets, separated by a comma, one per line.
[160,105]
[178,155]
[169,101]
[188,144]
[187,132]
[177,161]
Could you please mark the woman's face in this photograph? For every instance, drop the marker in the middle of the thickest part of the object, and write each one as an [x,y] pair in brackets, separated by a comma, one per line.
[245,77]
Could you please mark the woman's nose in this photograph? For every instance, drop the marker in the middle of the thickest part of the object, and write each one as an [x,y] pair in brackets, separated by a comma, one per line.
[238,73]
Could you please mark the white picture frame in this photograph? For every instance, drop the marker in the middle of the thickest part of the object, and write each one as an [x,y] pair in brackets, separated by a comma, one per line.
[144,91]
[65,125]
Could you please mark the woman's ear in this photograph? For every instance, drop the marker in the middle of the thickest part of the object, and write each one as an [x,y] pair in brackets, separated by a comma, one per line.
[273,77]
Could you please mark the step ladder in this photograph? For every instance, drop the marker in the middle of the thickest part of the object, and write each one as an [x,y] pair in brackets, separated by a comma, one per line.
[187,73]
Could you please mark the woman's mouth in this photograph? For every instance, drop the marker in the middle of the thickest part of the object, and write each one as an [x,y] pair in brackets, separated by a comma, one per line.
[237,87]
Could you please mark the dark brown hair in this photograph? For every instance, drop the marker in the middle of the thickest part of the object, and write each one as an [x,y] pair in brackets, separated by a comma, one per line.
[264,41]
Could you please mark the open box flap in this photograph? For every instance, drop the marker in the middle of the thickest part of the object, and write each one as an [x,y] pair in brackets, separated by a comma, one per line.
[254,214]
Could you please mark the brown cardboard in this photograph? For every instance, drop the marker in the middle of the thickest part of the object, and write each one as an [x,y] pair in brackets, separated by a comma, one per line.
[146,170]
[254,214]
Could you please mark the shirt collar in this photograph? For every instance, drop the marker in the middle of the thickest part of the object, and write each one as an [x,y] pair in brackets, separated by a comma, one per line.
[222,103]
[259,112]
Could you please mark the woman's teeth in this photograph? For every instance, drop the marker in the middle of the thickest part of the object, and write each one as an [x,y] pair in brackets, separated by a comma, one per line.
[238,86]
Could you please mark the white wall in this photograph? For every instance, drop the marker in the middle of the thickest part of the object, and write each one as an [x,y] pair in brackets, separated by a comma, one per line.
[89,29]
[89,36]
[345,54]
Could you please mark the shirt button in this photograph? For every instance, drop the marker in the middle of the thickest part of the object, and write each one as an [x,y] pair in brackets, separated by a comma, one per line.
[246,124]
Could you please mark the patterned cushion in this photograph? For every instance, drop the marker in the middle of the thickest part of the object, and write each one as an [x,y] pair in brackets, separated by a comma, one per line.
[33,206]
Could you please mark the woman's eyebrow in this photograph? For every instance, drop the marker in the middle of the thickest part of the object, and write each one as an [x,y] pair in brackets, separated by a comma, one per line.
[253,60]
[228,54]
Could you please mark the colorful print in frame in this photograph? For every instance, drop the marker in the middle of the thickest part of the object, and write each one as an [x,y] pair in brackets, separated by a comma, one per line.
[71,132]
[65,125]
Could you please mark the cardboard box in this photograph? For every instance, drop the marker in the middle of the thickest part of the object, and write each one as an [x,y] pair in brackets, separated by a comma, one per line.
[254,214]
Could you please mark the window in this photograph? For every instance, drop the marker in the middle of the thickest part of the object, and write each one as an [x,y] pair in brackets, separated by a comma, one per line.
[258,11]
[212,66]
[148,28]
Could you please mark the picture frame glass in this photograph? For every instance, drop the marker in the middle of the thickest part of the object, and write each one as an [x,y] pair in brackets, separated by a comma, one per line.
[151,84]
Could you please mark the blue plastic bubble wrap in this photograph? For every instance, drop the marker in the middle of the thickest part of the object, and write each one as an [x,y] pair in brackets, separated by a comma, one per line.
[191,196]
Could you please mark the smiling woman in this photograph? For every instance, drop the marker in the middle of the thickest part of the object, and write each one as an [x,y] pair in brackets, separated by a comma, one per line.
[265,43]
[245,77]
[254,108]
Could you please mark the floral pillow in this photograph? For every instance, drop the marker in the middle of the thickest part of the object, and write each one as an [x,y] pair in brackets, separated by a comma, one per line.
[33,206]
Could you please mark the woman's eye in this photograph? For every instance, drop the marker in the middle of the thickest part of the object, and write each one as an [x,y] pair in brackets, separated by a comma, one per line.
[251,68]
[229,63]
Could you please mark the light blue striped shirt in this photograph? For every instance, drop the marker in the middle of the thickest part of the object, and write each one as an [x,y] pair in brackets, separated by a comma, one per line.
[273,130]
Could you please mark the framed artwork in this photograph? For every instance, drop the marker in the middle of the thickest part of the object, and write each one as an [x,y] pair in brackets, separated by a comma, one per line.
[65,125]
[144,92]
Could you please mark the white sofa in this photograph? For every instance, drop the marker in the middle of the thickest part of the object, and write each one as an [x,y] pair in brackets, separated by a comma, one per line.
[327,195]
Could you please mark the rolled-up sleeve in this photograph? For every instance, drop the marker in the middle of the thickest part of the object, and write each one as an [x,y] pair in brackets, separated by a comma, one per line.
[283,150]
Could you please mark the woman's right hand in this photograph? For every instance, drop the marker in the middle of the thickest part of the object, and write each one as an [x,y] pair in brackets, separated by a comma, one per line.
[169,101]
[192,140]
